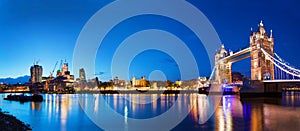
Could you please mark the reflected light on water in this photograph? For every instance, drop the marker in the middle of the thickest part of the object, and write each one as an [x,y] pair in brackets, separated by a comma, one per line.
[223,116]
[226,101]
[63,112]
[96,107]
[202,108]
[256,121]
[220,122]
[291,99]
[125,116]
[228,120]
[115,101]
[154,105]
[35,106]
[64,109]
[281,118]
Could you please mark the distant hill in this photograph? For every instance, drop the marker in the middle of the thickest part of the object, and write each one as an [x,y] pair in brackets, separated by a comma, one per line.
[21,79]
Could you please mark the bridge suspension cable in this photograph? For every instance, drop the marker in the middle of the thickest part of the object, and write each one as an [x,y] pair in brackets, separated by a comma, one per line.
[282,65]
[281,62]
[286,63]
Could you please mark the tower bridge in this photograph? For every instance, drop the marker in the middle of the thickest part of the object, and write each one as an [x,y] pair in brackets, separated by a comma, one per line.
[269,72]
[260,50]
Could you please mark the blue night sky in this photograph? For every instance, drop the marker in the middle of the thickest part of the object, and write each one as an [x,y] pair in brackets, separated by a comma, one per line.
[47,30]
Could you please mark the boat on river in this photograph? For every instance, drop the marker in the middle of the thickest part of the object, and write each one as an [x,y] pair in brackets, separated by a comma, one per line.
[24,98]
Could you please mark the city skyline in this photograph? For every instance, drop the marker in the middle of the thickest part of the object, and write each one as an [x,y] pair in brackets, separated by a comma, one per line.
[149,65]
[48,30]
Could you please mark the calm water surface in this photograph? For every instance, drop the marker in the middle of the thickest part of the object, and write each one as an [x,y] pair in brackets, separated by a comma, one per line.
[69,112]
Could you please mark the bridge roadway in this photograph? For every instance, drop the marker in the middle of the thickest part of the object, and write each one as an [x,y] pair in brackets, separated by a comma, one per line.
[267,88]
[280,85]
[237,56]
[282,81]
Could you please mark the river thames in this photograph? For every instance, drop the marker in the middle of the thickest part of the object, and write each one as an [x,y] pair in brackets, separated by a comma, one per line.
[85,111]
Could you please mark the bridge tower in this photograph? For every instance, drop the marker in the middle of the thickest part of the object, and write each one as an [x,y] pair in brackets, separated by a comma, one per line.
[261,68]
[223,68]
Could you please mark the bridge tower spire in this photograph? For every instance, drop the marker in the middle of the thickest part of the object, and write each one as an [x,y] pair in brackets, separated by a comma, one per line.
[261,67]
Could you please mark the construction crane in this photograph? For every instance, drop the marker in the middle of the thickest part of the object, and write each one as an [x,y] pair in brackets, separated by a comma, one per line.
[36,62]
[59,68]
[51,73]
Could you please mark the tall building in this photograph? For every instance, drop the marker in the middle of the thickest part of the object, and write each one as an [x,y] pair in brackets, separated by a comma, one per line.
[64,80]
[36,72]
[65,69]
[82,76]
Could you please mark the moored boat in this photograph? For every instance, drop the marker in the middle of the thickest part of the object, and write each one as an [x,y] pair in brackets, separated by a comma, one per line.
[24,98]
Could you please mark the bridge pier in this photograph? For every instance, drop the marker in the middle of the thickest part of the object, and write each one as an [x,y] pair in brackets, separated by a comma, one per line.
[257,88]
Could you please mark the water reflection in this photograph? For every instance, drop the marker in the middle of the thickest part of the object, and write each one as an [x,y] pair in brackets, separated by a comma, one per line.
[252,114]
[291,99]
[36,106]
[137,110]
[126,113]
[63,112]
[56,112]
[223,116]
